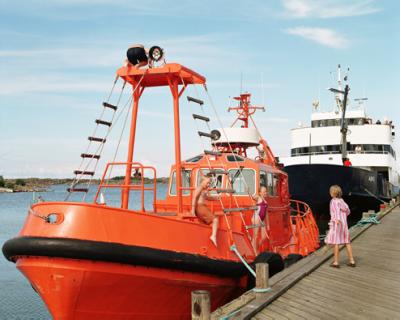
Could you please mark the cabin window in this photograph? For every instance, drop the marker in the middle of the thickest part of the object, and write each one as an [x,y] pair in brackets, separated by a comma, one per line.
[263,179]
[185,183]
[275,183]
[234,157]
[272,184]
[195,159]
[216,179]
[241,179]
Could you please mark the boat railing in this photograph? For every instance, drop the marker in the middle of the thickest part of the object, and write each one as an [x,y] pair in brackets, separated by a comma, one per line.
[338,152]
[304,227]
[137,182]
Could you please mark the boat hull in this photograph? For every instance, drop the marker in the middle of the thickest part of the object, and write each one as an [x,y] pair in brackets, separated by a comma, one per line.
[84,289]
[311,182]
[97,262]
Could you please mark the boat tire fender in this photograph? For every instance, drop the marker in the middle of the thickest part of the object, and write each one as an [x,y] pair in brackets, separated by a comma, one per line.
[292,259]
[275,264]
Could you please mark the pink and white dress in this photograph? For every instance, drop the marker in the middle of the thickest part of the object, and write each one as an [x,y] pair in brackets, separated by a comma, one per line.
[338,231]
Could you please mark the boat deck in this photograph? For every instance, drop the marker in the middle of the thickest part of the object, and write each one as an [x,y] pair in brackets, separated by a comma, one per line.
[311,289]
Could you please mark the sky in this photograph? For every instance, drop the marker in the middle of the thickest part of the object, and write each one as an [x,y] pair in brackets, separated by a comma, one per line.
[58,61]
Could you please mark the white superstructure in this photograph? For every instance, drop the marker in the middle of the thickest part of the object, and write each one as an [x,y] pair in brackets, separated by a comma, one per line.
[370,143]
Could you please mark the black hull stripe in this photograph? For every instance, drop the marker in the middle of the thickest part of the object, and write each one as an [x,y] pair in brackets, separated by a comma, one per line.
[119,253]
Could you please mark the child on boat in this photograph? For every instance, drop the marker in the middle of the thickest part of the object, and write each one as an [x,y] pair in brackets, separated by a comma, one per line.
[200,209]
[338,231]
[259,216]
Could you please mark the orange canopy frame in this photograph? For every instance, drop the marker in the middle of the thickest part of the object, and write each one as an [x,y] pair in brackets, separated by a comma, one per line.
[172,75]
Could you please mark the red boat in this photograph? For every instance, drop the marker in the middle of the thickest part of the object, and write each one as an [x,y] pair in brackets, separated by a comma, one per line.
[102,261]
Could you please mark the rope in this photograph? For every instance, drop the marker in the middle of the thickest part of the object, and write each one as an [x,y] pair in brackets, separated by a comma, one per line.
[235,250]
[101,146]
[32,212]
[223,166]
[236,162]
[371,219]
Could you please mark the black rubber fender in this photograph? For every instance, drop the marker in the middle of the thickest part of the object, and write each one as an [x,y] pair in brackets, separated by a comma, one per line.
[275,264]
[292,259]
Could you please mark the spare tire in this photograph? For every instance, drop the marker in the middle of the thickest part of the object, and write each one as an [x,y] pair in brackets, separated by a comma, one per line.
[292,258]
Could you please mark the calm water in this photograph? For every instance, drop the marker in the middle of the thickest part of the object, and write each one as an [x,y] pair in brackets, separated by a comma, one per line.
[17,298]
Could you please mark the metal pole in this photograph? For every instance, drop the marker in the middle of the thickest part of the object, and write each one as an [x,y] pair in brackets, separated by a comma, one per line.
[128,172]
[178,165]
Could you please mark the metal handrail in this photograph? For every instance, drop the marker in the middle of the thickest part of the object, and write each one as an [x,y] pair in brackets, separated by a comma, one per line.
[141,187]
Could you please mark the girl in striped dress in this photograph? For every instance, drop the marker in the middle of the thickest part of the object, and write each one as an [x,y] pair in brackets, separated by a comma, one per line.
[338,231]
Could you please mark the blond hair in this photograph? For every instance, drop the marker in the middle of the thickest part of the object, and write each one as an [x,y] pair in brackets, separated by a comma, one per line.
[335,191]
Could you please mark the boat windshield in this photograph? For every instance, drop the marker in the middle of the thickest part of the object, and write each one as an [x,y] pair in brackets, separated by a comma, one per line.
[242,178]
[185,183]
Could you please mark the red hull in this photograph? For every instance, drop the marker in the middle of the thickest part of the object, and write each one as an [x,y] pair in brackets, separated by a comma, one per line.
[80,289]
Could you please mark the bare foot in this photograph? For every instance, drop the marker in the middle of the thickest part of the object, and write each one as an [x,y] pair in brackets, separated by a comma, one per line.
[214,240]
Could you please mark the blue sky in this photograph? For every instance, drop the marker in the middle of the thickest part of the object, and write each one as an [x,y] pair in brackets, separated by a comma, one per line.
[58,61]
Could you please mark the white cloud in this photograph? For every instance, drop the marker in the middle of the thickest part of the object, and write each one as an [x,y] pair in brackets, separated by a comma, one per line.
[327,37]
[328,8]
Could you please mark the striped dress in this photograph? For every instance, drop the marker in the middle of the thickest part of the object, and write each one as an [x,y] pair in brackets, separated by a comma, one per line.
[338,232]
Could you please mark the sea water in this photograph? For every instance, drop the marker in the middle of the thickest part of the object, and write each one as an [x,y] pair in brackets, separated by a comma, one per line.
[18,300]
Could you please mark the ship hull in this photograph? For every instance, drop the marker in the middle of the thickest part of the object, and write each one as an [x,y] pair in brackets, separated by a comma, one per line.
[311,182]
[83,289]
[98,262]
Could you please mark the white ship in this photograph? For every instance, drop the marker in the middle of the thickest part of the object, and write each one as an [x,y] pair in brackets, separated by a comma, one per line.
[344,147]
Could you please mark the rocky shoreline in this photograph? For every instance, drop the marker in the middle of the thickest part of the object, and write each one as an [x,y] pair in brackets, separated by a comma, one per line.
[44,184]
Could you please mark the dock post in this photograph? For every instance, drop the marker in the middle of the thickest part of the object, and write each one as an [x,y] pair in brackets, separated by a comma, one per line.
[262,276]
[201,305]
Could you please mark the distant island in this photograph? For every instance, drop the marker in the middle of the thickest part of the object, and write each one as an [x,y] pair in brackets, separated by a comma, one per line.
[44,184]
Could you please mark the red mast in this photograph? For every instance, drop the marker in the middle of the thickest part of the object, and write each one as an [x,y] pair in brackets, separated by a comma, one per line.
[245,110]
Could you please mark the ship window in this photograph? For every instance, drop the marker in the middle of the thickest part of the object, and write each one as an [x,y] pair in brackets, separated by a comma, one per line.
[216,180]
[195,159]
[241,179]
[263,178]
[185,183]
[275,183]
[233,158]
[270,185]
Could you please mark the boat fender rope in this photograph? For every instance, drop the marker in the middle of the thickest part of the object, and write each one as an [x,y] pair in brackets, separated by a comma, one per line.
[235,250]
[372,219]
[45,218]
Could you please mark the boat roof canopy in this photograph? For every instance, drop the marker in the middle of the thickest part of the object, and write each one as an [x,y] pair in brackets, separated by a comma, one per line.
[160,76]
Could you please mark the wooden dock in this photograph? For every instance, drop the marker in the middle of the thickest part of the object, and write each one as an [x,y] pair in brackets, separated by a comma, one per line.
[311,289]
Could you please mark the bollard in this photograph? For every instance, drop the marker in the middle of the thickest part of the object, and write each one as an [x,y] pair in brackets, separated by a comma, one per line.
[201,305]
[262,275]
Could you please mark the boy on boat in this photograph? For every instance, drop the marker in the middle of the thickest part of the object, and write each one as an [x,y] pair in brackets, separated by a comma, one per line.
[200,209]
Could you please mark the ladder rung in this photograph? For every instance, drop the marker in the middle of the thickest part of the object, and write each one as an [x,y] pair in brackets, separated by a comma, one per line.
[223,190]
[217,171]
[213,153]
[87,155]
[106,123]
[89,173]
[111,106]
[241,209]
[197,116]
[78,189]
[102,140]
[253,226]
[200,102]
[205,134]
